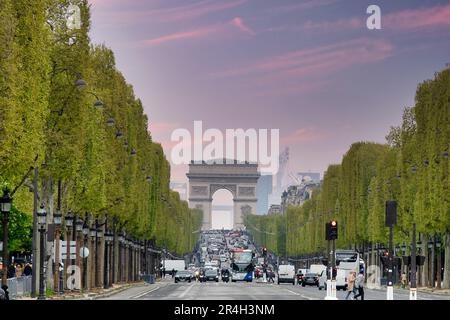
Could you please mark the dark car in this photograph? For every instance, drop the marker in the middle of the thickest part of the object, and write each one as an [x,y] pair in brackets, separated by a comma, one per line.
[211,275]
[310,279]
[183,275]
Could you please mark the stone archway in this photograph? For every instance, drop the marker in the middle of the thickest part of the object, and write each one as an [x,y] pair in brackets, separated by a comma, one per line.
[238,178]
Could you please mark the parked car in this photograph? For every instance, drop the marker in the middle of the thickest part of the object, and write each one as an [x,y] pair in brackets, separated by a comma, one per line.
[310,279]
[183,275]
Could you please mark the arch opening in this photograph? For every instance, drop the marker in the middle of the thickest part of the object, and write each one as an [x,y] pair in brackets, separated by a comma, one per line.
[222,211]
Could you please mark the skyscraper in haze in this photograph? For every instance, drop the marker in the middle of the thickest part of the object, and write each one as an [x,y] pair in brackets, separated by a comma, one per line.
[263,190]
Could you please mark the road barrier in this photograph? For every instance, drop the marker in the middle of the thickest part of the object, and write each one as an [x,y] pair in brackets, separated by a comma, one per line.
[20,286]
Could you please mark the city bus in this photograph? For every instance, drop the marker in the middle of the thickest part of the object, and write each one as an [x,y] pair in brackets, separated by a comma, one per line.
[242,265]
[347,260]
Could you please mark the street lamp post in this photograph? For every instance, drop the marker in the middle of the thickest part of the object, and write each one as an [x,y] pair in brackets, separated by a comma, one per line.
[79,237]
[57,219]
[99,236]
[93,235]
[120,264]
[42,217]
[85,239]
[108,240]
[413,287]
[69,226]
[5,208]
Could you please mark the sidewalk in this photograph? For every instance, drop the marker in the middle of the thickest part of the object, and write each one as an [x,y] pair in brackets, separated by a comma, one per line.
[443,292]
[93,294]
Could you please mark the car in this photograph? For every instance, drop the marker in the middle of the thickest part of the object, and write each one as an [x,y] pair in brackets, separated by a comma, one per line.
[310,279]
[183,275]
[211,275]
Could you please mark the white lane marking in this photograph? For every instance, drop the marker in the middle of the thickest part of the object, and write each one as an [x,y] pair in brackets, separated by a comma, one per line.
[185,291]
[296,293]
[144,293]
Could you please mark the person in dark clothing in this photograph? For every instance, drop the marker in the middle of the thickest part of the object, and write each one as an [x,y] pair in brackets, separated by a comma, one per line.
[360,285]
[173,273]
[6,293]
[28,271]
[11,271]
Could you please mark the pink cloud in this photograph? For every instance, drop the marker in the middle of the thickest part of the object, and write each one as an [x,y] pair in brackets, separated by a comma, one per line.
[161,127]
[405,20]
[315,62]
[305,5]
[204,32]
[438,16]
[172,14]
[239,23]
[303,135]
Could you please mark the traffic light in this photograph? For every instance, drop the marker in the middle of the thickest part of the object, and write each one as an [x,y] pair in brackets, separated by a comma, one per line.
[333,230]
[264,252]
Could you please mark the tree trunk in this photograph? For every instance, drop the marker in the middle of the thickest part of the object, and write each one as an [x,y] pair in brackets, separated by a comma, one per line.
[446,245]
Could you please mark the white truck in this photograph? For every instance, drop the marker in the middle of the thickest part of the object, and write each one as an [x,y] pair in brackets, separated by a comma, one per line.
[176,265]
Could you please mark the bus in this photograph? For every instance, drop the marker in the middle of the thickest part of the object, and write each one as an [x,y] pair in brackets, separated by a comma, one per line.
[347,261]
[242,265]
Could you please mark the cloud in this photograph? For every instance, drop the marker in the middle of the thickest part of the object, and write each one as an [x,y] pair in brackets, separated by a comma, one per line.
[162,127]
[434,17]
[404,20]
[302,6]
[172,14]
[316,62]
[303,135]
[203,32]
[239,23]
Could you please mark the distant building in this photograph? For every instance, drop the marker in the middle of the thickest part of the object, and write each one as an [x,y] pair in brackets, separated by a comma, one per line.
[275,209]
[309,176]
[263,190]
[181,188]
[296,195]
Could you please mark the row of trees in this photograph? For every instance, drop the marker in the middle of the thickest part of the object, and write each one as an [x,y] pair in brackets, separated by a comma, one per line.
[411,168]
[68,111]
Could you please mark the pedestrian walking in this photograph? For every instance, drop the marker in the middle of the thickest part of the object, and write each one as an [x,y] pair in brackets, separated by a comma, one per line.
[27,271]
[360,285]
[173,273]
[351,285]
[404,280]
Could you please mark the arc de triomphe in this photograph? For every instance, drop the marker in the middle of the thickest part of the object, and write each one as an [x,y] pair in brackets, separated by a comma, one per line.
[239,178]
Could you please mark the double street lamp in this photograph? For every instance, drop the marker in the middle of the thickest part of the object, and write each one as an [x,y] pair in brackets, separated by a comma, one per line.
[42,220]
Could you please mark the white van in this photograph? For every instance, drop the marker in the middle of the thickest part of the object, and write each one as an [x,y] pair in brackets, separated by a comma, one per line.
[286,273]
[341,280]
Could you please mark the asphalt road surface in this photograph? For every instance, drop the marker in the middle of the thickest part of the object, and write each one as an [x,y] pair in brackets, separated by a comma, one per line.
[167,289]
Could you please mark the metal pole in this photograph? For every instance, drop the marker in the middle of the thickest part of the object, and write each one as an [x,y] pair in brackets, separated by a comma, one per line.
[35,232]
[333,266]
[433,256]
[85,264]
[96,255]
[413,287]
[390,284]
[5,250]
[41,265]
[105,258]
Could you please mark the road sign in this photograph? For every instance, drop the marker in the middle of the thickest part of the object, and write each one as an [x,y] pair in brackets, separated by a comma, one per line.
[84,252]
